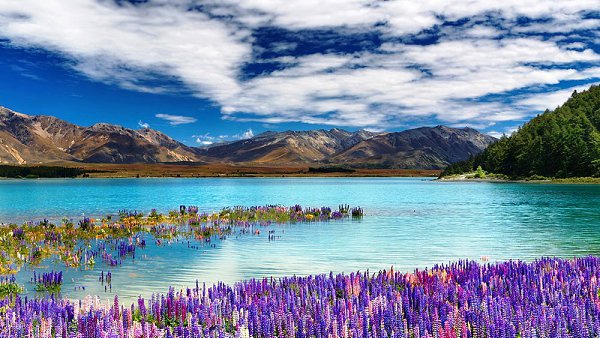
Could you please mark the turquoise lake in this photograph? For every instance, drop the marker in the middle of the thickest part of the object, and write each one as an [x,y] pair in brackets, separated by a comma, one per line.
[409,223]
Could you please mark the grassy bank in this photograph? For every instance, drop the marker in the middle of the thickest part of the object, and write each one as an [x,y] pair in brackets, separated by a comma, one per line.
[499,178]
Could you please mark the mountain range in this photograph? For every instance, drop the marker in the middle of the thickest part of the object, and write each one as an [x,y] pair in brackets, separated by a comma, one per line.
[28,139]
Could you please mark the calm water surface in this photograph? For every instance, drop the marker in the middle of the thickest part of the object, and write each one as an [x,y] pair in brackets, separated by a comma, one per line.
[409,223]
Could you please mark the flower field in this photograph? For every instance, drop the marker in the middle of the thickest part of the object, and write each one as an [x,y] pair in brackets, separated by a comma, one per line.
[550,297]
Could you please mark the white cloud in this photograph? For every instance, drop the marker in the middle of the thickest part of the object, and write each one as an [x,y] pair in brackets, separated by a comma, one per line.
[206,139]
[370,89]
[204,142]
[143,125]
[483,32]
[175,120]
[135,46]
[495,134]
[247,134]
[475,125]
[549,100]
[504,132]
[121,43]
[311,13]
[575,45]
[395,17]
[562,24]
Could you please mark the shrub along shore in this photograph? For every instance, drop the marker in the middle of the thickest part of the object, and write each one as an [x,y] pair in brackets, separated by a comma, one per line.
[480,175]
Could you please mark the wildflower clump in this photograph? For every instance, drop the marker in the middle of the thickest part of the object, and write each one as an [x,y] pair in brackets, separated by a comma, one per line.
[9,286]
[50,282]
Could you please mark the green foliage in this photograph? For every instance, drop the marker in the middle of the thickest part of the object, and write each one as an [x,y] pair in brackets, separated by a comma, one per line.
[67,223]
[497,176]
[15,171]
[51,289]
[458,168]
[578,180]
[10,289]
[136,316]
[479,173]
[561,143]
[537,178]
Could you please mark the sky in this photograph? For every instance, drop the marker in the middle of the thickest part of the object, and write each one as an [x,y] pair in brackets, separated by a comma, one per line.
[208,71]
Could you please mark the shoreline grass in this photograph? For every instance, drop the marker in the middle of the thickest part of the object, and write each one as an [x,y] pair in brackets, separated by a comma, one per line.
[500,178]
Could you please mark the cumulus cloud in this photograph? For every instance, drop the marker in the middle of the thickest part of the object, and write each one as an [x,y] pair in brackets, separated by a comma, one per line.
[463,75]
[395,17]
[204,139]
[549,100]
[247,134]
[495,134]
[503,132]
[407,81]
[123,43]
[143,125]
[176,120]
[207,139]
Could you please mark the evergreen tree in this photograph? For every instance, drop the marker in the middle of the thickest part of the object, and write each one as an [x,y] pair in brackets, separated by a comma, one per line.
[560,143]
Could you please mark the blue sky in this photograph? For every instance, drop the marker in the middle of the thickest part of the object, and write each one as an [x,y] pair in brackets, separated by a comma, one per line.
[204,71]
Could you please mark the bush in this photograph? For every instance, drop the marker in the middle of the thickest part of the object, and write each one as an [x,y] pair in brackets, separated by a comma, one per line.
[479,173]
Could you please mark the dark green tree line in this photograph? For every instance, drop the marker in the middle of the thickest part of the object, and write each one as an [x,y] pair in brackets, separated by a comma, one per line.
[14,171]
[560,143]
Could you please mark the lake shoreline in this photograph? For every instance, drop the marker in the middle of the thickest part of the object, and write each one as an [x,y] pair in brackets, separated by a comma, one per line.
[258,170]
[573,180]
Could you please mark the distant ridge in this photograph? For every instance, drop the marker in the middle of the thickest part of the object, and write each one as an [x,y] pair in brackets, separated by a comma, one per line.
[426,148]
[288,146]
[26,139]
[41,139]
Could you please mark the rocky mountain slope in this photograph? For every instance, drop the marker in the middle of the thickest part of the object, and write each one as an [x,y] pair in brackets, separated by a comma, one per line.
[26,139]
[39,139]
[427,148]
[288,146]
